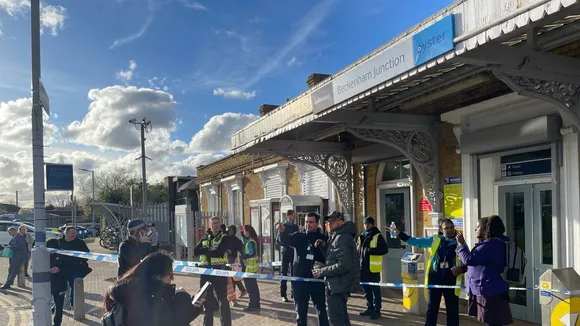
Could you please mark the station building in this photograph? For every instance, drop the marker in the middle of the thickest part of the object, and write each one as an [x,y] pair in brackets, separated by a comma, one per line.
[470,113]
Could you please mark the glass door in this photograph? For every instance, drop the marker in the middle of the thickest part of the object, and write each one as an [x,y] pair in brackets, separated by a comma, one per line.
[527,214]
[395,207]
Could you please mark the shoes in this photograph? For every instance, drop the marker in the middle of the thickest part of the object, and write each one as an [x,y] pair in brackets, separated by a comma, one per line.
[367,312]
[376,315]
[284,299]
[251,309]
[4,287]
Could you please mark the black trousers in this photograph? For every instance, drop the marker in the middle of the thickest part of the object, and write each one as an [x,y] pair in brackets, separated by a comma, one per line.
[253,292]
[303,292]
[212,304]
[58,307]
[337,310]
[287,263]
[434,302]
[240,285]
[373,296]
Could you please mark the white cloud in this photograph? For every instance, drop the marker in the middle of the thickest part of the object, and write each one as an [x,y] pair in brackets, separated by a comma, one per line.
[193,5]
[127,75]
[152,8]
[51,17]
[106,124]
[16,122]
[216,133]
[234,94]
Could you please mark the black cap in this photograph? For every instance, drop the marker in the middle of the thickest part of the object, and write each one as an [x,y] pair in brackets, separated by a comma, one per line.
[133,225]
[335,216]
[369,220]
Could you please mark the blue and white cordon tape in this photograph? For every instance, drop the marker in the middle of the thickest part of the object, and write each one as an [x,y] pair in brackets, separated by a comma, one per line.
[189,267]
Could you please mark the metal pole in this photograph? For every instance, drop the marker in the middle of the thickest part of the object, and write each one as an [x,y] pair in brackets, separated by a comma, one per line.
[93,201]
[143,169]
[131,200]
[17,208]
[72,208]
[40,259]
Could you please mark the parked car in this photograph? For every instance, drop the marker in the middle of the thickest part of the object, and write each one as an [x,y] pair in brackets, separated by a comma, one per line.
[5,237]
[82,232]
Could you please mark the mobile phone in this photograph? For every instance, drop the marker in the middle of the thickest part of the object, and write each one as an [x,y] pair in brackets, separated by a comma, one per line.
[201,293]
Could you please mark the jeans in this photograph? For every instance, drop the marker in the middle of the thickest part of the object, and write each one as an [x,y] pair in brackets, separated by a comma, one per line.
[253,292]
[212,304]
[303,292]
[373,296]
[287,263]
[337,310]
[434,302]
[58,306]
[13,268]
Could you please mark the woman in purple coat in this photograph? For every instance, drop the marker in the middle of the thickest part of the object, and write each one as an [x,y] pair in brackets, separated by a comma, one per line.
[488,291]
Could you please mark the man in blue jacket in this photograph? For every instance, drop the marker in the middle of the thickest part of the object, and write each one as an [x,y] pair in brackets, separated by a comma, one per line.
[307,256]
[286,252]
[443,268]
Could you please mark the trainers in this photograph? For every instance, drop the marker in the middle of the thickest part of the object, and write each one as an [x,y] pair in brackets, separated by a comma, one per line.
[284,299]
[376,315]
[367,312]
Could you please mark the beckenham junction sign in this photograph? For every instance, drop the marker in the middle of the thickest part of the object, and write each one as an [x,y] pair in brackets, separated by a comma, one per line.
[430,43]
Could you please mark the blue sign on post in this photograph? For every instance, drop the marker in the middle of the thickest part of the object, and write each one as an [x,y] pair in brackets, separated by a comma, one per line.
[59,177]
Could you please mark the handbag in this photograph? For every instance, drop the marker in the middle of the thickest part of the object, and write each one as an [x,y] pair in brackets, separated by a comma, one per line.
[7,252]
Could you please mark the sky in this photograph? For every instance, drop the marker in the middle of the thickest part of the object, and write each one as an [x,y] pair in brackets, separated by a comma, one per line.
[199,70]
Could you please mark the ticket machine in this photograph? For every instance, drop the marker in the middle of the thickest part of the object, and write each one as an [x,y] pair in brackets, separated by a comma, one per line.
[413,272]
[264,214]
[302,205]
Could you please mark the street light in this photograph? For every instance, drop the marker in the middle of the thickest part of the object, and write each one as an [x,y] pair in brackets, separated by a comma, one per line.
[93,200]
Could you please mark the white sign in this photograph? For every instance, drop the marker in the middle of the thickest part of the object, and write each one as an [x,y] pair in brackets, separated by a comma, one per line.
[44,100]
[380,68]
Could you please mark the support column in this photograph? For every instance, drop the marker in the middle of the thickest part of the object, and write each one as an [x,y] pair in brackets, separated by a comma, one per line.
[419,146]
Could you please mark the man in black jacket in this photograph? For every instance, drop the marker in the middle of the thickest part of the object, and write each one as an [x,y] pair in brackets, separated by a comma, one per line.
[57,282]
[371,249]
[73,267]
[287,253]
[213,252]
[135,248]
[307,257]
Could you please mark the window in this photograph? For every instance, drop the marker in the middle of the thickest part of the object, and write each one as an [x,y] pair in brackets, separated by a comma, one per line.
[3,227]
[396,170]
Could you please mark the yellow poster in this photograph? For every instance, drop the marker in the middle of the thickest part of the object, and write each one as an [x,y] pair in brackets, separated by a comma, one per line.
[453,200]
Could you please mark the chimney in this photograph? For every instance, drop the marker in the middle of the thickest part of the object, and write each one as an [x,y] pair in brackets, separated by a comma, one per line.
[315,79]
[266,108]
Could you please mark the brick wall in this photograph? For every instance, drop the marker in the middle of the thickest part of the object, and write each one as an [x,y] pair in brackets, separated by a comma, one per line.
[371,190]
[253,190]
[292,182]
[224,197]
[204,204]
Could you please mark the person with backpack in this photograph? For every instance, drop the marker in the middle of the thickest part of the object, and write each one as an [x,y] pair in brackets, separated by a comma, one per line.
[145,296]
[342,270]
[58,282]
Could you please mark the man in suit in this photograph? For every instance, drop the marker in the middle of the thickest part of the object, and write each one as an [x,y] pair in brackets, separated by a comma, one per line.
[19,255]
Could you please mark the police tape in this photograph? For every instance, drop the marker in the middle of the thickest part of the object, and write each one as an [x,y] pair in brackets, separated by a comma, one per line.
[432,286]
[113,258]
[188,267]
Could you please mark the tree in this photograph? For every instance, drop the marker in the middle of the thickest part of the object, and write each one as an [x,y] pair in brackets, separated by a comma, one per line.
[59,199]
[25,210]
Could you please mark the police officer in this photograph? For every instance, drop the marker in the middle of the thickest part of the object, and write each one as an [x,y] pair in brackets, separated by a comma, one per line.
[371,249]
[212,249]
[287,253]
[307,256]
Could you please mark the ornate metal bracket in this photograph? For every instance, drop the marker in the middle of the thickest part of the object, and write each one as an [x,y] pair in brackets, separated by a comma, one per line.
[563,95]
[337,166]
[419,146]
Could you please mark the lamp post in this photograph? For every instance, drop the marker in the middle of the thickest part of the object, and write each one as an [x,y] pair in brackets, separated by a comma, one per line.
[93,200]
[145,127]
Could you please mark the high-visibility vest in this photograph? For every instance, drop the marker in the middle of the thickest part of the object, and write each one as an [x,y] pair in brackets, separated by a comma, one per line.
[251,263]
[434,246]
[213,243]
[375,261]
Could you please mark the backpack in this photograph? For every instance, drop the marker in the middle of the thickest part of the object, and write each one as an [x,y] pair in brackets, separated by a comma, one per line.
[115,317]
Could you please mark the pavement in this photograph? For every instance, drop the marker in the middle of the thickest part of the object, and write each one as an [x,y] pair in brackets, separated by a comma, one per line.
[16,309]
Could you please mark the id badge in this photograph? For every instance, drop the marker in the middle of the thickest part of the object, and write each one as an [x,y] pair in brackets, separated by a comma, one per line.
[444,265]
[310,257]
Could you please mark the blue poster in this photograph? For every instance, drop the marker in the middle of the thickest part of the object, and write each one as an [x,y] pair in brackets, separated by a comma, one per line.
[59,177]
